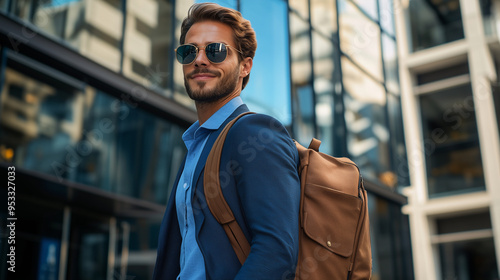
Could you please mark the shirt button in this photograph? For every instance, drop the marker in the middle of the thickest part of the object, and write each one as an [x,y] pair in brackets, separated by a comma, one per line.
[185,185]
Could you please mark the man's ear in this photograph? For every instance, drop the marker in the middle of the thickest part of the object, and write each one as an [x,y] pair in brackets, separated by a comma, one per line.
[245,66]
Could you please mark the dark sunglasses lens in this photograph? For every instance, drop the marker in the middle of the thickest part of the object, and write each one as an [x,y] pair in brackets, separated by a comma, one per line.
[216,52]
[186,54]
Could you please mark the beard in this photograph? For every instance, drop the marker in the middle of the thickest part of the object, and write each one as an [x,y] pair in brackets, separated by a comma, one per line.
[222,89]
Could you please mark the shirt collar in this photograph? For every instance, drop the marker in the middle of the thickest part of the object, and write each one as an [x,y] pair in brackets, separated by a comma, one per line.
[215,121]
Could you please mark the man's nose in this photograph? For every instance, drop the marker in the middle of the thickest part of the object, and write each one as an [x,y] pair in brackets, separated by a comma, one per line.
[201,59]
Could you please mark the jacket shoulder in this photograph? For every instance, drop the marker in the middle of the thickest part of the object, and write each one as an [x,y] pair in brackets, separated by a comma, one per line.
[260,133]
[253,124]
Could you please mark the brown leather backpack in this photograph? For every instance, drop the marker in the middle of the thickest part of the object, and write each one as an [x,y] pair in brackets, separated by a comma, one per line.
[334,237]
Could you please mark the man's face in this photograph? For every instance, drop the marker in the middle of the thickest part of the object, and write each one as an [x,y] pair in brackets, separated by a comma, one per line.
[206,81]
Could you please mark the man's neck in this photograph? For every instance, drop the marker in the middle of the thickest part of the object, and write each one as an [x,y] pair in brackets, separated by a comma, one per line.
[206,110]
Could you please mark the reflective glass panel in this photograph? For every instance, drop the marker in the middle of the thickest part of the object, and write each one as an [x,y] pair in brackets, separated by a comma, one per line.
[60,127]
[324,16]
[21,9]
[365,117]
[496,100]
[324,89]
[302,91]
[390,240]
[387,15]
[268,90]
[3,5]
[369,7]
[400,175]
[470,259]
[391,69]
[148,47]
[93,27]
[442,73]
[360,40]
[300,7]
[88,247]
[434,23]
[152,148]
[467,222]
[137,241]
[488,17]
[451,142]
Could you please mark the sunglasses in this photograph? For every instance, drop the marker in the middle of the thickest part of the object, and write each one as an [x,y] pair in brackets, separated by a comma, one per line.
[215,52]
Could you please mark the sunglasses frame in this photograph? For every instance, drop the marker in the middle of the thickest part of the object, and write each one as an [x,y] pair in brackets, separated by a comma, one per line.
[204,48]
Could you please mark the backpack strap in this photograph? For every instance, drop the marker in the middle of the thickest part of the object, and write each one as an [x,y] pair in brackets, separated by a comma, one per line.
[215,199]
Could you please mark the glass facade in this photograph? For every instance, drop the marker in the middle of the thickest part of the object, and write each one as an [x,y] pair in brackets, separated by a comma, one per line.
[434,23]
[59,126]
[326,69]
[132,43]
[374,136]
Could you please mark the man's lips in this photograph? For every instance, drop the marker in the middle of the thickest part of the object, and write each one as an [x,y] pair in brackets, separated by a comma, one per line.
[202,75]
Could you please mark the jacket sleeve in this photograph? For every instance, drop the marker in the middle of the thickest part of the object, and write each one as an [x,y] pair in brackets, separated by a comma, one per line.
[268,187]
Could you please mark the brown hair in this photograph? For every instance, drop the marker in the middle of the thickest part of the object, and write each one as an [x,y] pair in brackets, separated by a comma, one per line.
[244,35]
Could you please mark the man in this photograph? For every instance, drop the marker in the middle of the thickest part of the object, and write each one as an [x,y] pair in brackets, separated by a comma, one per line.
[258,163]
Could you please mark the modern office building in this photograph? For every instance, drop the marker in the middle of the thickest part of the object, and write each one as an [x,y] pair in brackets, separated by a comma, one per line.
[92,109]
[449,58]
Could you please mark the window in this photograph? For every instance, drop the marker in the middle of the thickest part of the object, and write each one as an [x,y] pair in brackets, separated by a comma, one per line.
[360,40]
[435,23]
[137,242]
[465,246]
[365,117]
[496,101]
[387,16]
[302,91]
[451,141]
[488,17]
[300,7]
[368,6]
[451,71]
[400,166]
[324,89]
[324,16]
[391,66]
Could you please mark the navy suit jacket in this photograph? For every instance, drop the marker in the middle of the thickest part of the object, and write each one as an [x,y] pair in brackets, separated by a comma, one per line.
[260,182]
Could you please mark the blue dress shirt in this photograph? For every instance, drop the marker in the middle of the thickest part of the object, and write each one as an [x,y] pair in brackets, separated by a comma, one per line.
[195,137]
